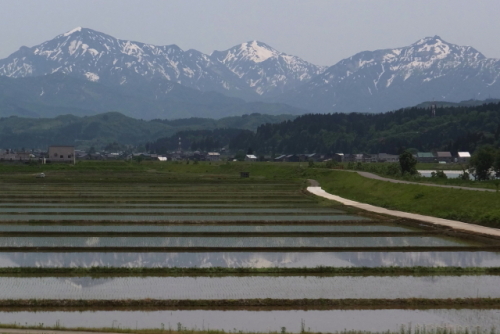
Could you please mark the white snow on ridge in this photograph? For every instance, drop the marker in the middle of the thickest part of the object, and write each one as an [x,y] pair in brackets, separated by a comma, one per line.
[77,29]
[92,76]
[73,46]
[255,52]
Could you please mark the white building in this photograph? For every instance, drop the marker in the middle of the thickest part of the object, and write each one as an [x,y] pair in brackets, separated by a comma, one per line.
[463,157]
[250,157]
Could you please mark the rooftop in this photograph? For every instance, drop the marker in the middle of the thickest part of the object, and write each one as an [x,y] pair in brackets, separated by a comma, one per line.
[443,154]
[463,154]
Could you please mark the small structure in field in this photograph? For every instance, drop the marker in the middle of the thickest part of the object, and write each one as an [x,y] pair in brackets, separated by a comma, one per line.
[244,174]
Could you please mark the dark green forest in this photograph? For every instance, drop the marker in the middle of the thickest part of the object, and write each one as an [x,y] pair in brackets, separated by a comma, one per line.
[451,129]
[193,140]
[103,129]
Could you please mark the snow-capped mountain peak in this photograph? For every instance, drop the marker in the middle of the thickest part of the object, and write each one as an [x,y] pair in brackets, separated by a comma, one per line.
[246,70]
[264,69]
[256,51]
[95,56]
[388,79]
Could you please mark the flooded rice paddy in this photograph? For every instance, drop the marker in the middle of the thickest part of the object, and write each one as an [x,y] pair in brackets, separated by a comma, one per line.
[264,321]
[250,259]
[143,228]
[221,216]
[250,287]
[222,242]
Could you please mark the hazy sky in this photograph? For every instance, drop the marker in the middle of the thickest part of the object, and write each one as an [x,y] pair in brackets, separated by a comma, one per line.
[320,31]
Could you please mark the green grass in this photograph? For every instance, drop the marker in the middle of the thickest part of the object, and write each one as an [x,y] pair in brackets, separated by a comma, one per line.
[464,205]
[382,169]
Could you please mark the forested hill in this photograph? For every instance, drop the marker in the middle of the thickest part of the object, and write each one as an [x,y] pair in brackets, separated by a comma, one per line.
[102,129]
[452,128]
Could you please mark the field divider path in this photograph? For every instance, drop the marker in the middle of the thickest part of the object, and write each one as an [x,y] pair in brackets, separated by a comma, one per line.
[453,224]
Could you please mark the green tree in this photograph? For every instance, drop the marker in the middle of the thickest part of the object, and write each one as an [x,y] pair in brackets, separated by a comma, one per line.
[240,156]
[496,164]
[408,163]
[482,160]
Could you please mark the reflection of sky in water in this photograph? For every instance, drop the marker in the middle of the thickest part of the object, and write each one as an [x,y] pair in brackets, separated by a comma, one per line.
[229,242]
[205,228]
[451,174]
[252,259]
[250,287]
[263,321]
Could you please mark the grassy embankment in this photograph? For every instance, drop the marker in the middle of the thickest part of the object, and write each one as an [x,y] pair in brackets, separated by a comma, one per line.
[469,206]
[384,170]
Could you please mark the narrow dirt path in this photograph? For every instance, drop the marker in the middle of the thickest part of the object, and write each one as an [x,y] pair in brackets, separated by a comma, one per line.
[453,224]
[380,178]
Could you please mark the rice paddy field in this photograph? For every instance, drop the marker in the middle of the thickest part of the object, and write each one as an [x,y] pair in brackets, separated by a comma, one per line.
[179,248]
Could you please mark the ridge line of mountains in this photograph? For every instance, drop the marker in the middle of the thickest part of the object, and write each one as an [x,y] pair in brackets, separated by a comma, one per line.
[85,72]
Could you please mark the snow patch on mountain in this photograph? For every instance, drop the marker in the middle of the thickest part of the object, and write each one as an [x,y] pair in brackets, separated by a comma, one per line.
[92,76]
[256,52]
[77,29]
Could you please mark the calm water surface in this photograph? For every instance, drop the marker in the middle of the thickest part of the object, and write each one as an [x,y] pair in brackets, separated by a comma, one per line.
[229,242]
[206,228]
[249,287]
[252,259]
[263,321]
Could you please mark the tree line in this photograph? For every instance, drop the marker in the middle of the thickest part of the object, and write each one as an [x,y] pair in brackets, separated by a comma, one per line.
[451,129]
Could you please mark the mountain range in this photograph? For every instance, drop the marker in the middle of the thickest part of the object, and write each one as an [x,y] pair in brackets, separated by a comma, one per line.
[85,72]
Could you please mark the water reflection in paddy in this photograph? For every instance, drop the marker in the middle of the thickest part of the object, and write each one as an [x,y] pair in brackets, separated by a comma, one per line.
[250,287]
[252,259]
[205,228]
[230,242]
[263,321]
[167,217]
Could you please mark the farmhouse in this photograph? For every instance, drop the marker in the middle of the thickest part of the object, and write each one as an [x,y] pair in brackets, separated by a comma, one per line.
[213,156]
[463,157]
[61,154]
[427,157]
[444,157]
